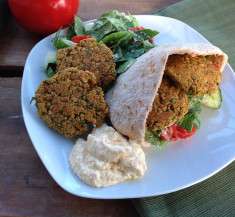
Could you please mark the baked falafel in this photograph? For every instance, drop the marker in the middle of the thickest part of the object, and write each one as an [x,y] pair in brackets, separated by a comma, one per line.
[169,106]
[195,75]
[89,55]
[70,100]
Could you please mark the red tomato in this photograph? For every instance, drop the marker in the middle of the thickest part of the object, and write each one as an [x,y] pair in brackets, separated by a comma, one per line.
[174,132]
[43,16]
[77,39]
[169,134]
[183,133]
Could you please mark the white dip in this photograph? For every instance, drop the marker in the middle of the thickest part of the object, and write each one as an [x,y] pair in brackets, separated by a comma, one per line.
[106,158]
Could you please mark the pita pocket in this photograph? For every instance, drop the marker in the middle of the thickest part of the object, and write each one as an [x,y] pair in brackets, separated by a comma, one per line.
[130,99]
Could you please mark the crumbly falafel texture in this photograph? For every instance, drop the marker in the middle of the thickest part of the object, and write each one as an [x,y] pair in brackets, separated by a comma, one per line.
[70,100]
[89,55]
[130,100]
[195,75]
[169,105]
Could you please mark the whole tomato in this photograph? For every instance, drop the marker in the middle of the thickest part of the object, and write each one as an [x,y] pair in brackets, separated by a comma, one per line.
[43,16]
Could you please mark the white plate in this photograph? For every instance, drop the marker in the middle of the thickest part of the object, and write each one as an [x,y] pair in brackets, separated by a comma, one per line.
[178,165]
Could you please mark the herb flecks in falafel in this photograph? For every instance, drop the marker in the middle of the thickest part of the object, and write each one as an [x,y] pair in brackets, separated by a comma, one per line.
[70,100]
[89,55]
[169,106]
[195,75]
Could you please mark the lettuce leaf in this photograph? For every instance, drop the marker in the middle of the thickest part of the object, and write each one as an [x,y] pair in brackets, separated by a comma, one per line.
[124,66]
[191,119]
[61,41]
[152,137]
[118,39]
[144,34]
[76,28]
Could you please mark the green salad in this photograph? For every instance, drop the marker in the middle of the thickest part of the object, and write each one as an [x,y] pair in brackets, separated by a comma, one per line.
[122,34]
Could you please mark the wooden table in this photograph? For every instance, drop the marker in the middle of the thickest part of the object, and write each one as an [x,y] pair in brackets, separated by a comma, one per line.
[26,188]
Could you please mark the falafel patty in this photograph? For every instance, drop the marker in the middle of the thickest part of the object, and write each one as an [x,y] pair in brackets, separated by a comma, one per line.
[89,55]
[70,100]
[195,75]
[170,105]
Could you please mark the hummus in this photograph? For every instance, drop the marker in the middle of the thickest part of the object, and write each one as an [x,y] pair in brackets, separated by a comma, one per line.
[106,158]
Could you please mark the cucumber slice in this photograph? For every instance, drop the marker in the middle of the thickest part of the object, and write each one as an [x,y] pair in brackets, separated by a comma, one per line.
[213,100]
[50,58]
[67,42]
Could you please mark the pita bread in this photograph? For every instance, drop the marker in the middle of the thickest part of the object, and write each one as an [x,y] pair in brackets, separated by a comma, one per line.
[131,98]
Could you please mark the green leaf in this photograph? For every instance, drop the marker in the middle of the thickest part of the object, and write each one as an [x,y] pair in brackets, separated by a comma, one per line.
[120,24]
[123,42]
[32,99]
[71,32]
[79,27]
[134,21]
[194,100]
[110,22]
[116,37]
[208,57]
[51,70]
[110,14]
[153,138]
[118,20]
[197,123]
[100,31]
[147,45]
[76,28]
[61,41]
[131,51]
[124,66]
[56,38]
[191,119]
[144,34]
[124,54]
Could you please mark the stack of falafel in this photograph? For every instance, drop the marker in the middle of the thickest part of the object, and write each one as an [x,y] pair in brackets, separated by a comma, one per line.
[184,74]
[74,97]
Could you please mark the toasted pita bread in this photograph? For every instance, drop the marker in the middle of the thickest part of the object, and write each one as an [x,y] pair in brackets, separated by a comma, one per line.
[131,98]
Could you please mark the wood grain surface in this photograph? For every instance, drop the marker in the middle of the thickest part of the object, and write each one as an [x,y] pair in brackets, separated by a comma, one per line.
[26,188]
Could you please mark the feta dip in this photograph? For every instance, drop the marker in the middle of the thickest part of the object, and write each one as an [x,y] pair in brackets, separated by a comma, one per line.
[106,158]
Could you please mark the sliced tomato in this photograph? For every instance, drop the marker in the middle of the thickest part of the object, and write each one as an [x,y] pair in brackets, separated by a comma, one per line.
[183,133]
[169,134]
[140,28]
[174,132]
[132,29]
[79,38]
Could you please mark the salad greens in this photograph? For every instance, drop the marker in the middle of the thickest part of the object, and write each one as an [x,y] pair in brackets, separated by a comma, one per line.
[154,138]
[191,119]
[51,70]
[32,99]
[76,28]
[50,63]
[118,32]
[61,41]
